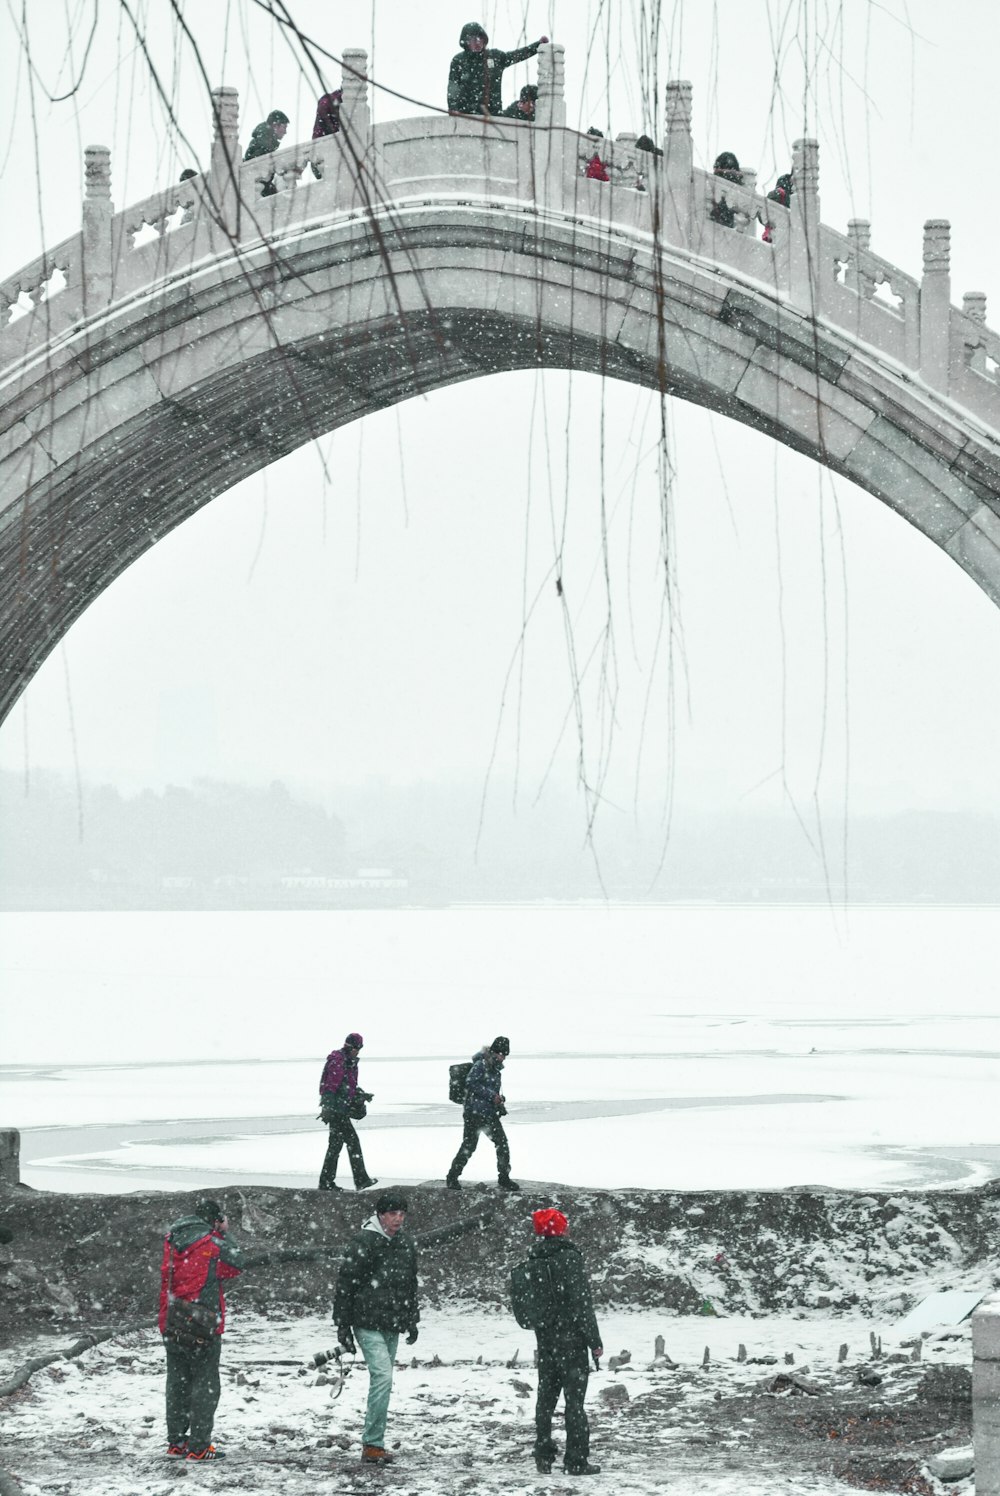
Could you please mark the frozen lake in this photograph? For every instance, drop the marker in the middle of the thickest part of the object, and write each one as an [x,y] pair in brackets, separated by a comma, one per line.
[657,1047]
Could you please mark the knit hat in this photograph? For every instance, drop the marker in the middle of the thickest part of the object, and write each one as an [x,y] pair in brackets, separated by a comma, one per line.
[210,1210]
[500,1045]
[354,1041]
[391,1200]
[550,1222]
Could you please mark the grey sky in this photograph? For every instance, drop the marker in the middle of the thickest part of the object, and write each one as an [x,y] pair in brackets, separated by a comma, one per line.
[329,632]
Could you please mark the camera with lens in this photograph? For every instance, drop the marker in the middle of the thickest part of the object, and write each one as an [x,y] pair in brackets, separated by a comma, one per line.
[322,1357]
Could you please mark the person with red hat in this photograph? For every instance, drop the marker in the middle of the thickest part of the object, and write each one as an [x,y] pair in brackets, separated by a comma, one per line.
[339,1098]
[567,1331]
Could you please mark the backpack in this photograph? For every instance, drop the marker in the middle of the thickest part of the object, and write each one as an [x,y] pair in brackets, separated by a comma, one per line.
[532,1294]
[458,1076]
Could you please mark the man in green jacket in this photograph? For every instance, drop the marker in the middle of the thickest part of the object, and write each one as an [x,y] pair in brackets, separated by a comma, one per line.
[375,1299]
[567,1332]
[476,74]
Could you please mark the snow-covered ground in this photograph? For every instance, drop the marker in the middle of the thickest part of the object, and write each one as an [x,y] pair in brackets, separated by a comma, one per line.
[94,1426]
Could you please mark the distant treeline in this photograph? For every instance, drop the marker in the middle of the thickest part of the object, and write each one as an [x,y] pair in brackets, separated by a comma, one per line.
[221,845]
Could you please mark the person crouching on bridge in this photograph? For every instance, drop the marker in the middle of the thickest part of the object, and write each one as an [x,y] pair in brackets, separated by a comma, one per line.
[327,120]
[197,1257]
[523,107]
[339,1100]
[475,78]
[376,1299]
[565,1334]
[483,1109]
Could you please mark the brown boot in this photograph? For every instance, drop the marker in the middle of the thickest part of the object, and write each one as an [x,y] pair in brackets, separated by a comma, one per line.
[374,1454]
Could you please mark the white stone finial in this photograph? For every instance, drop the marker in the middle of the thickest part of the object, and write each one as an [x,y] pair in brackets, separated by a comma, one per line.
[355,112]
[859,231]
[97,171]
[678,106]
[550,108]
[937,246]
[974,305]
[805,167]
[225,115]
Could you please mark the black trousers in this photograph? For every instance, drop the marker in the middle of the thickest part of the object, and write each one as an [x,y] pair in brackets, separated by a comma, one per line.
[342,1131]
[493,1128]
[193,1388]
[563,1366]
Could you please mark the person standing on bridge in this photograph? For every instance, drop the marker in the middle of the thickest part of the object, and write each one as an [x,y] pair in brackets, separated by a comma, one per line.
[340,1100]
[475,78]
[266,139]
[328,114]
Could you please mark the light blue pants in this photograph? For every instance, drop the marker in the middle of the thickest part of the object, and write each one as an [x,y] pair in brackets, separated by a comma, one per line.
[379,1350]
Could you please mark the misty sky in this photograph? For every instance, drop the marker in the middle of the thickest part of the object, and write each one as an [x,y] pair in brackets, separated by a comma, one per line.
[331,626]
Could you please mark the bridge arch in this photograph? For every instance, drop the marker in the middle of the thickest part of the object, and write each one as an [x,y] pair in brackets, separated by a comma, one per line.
[174,370]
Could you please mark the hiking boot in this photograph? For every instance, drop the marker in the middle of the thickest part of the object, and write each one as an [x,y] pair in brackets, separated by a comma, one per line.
[178,1451]
[452,1182]
[509,1184]
[543,1464]
[331,1186]
[374,1454]
[587,1469]
[366,1184]
[209,1453]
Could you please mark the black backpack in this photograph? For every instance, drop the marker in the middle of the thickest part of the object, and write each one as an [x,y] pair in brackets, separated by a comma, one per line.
[532,1294]
[458,1076]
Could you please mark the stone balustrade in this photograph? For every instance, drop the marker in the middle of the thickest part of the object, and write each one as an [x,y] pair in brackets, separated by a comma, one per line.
[664,199]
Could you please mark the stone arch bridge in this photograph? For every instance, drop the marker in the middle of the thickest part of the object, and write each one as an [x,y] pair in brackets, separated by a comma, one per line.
[169,350]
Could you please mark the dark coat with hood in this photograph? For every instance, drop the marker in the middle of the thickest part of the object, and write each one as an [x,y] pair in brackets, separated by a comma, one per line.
[475,78]
[574,1308]
[377,1282]
[262,142]
[484,1084]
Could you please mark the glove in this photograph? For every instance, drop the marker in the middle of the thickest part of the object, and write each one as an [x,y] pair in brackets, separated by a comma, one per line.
[346,1337]
[411,1338]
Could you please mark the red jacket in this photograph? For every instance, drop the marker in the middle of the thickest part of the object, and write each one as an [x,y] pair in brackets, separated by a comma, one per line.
[596,169]
[189,1250]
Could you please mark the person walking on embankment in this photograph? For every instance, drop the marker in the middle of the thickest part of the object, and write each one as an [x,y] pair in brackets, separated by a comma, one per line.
[482,1112]
[340,1099]
[376,1300]
[475,77]
[566,1331]
[197,1258]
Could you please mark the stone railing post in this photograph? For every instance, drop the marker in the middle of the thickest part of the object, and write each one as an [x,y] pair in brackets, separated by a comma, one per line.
[225,159]
[935,303]
[550,107]
[986,1395]
[749,175]
[98,211]
[859,231]
[10,1155]
[803,260]
[974,307]
[678,164]
[355,111]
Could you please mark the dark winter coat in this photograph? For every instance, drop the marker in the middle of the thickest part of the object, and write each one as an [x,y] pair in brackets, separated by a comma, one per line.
[514,111]
[191,1250]
[574,1316]
[262,142]
[328,115]
[475,78]
[377,1282]
[338,1082]
[483,1086]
